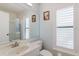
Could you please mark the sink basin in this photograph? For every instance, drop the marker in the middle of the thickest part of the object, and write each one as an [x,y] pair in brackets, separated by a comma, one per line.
[17,50]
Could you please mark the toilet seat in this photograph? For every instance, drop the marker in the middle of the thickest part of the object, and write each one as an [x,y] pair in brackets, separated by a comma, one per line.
[45,53]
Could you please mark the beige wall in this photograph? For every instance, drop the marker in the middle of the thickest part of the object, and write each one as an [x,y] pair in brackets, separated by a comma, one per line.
[76,27]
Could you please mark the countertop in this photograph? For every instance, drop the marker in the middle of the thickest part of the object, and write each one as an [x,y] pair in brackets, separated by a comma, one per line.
[6,50]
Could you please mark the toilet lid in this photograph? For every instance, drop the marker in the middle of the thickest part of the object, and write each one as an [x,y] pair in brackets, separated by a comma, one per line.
[45,53]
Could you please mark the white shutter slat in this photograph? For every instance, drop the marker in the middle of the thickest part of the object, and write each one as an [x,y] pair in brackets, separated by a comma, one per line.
[64,17]
[65,34]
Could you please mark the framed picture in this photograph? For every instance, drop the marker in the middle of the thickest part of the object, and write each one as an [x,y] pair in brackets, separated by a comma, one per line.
[46,15]
[33,18]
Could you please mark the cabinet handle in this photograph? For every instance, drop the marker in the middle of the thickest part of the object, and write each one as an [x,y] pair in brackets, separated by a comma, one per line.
[7,34]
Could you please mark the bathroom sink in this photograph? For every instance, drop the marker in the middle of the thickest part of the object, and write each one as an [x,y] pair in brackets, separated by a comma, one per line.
[17,50]
[13,50]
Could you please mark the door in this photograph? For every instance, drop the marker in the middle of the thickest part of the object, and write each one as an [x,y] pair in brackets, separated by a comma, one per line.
[4,26]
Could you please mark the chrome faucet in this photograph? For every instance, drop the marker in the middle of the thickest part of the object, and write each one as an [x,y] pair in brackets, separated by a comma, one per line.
[16,44]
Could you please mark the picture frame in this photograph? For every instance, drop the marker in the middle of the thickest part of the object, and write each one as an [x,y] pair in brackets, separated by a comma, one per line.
[46,15]
[33,18]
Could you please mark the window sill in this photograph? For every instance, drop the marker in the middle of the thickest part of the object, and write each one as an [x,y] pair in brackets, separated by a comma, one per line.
[60,50]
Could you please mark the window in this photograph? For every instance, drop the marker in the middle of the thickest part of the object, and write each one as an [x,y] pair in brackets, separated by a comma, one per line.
[27,28]
[64,28]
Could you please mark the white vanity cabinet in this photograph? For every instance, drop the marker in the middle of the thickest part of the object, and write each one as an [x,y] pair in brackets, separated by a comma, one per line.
[34,49]
[33,52]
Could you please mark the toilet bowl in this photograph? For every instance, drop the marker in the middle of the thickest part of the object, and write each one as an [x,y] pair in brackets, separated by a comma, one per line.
[45,53]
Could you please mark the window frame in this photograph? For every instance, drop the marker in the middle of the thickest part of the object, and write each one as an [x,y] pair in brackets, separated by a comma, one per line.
[65,27]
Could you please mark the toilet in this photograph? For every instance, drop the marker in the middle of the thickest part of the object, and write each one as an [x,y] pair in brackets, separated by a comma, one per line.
[45,53]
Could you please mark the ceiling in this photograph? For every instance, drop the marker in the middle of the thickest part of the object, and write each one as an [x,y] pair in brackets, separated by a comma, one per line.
[15,7]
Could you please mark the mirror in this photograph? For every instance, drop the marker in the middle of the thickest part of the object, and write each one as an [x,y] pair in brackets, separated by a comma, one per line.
[16,27]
